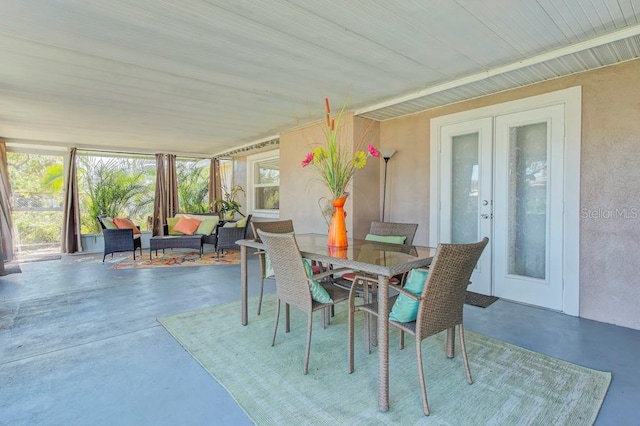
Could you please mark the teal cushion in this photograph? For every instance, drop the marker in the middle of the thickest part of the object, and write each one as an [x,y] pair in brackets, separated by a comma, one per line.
[405,309]
[207,226]
[318,293]
[392,239]
[268,268]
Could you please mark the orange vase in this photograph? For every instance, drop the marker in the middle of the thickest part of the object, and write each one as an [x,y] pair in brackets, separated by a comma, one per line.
[338,226]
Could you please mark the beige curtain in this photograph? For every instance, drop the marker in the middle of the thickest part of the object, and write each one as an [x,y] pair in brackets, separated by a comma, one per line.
[6,222]
[172,186]
[215,186]
[160,204]
[71,241]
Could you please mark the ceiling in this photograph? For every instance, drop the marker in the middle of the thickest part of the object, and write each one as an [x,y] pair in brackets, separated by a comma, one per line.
[208,77]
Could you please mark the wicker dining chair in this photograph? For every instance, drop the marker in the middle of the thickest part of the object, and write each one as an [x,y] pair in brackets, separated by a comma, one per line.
[293,284]
[277,227]
[367,283]
[440,304]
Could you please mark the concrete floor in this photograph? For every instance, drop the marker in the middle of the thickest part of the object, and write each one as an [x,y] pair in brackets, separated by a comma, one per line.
[80,345]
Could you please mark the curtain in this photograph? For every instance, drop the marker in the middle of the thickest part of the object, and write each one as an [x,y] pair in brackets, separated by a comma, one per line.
[215,185]
[172,186]
[159,203]
[71,241]
[6,222]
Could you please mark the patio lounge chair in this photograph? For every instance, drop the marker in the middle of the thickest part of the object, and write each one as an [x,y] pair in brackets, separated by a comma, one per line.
[119,240]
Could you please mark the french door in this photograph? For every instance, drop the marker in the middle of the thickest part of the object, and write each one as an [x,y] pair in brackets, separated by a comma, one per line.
[502,176]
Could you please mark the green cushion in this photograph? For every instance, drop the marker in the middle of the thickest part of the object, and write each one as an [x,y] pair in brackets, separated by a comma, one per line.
[171,223]
[108,223]
[268,267]
[318,293]
[392,239]
[242,223]
[208,226]
[405,309]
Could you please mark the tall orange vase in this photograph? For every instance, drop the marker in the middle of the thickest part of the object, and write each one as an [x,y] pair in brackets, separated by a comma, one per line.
[338,226]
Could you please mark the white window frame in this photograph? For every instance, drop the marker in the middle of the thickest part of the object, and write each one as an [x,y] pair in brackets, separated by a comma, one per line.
[251,163]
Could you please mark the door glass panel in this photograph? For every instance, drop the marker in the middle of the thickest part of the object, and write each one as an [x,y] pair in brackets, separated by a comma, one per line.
[527,205]
[464,188]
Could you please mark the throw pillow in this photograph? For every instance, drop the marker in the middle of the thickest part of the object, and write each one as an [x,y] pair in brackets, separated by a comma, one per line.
[241,223]
[125,223]
[405,309]
[392,239]
[108,223]
[318,293]
[187,225]
[171,224]
[229,225]
[208,226]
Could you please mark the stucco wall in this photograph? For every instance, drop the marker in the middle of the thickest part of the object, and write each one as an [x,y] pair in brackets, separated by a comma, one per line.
[610,199]
[300,190]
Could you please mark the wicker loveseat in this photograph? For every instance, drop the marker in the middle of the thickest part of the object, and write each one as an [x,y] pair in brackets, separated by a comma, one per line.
[223,236]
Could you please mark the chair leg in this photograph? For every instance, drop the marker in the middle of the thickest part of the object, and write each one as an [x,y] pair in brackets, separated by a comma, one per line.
[260,298]
[463,348]
[306,355]
[275,329]
[350,333]
[401,339]
[287,316]
[423,386]
[451,342]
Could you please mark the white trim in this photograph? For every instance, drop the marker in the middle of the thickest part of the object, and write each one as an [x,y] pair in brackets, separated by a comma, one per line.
[627,32]
[251,159]
[571,98]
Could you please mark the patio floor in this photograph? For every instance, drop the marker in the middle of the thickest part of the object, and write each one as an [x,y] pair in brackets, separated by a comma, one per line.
[80,345]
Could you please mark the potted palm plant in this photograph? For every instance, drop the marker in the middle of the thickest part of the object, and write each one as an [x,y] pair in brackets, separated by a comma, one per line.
[228,205]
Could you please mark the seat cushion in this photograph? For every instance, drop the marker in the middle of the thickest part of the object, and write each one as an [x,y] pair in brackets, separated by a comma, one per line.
[392,239]
[187,225]
[405,309]
[318,293]
[125,223]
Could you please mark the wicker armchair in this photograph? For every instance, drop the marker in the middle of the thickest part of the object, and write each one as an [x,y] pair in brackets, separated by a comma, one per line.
[226,237]
[366,283]
[119,240]
[277,227]
[440,304]
[293,284]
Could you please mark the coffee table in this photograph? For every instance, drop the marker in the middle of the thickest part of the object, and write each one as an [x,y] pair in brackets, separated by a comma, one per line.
[175,241]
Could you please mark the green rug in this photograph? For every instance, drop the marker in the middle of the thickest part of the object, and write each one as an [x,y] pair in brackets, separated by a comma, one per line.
[511,385]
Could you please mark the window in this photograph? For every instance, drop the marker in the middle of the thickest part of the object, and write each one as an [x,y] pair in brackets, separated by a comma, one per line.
[264,184]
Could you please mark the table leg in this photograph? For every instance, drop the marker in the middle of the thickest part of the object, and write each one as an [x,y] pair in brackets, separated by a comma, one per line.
[243,283]
[383,343]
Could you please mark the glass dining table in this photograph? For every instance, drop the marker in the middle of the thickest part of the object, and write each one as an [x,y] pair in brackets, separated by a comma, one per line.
[383,260]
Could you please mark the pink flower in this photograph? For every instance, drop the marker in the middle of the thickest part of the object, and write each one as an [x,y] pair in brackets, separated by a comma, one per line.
[307,159]
[373,151]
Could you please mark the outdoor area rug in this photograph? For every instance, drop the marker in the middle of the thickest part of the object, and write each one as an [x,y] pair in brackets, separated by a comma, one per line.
[511,385]
[177,257]
[480,300]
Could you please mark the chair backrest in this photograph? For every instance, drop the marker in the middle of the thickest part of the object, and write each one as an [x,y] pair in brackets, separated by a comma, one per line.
[275,227]
[407,230]
[100,216]
[292,286]
[446,285]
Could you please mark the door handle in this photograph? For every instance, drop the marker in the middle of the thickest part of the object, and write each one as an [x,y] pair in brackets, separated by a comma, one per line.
[487,216]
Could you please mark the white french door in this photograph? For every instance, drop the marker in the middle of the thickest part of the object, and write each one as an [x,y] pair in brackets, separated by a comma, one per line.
[528,206]
[466,206]
[504,176]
